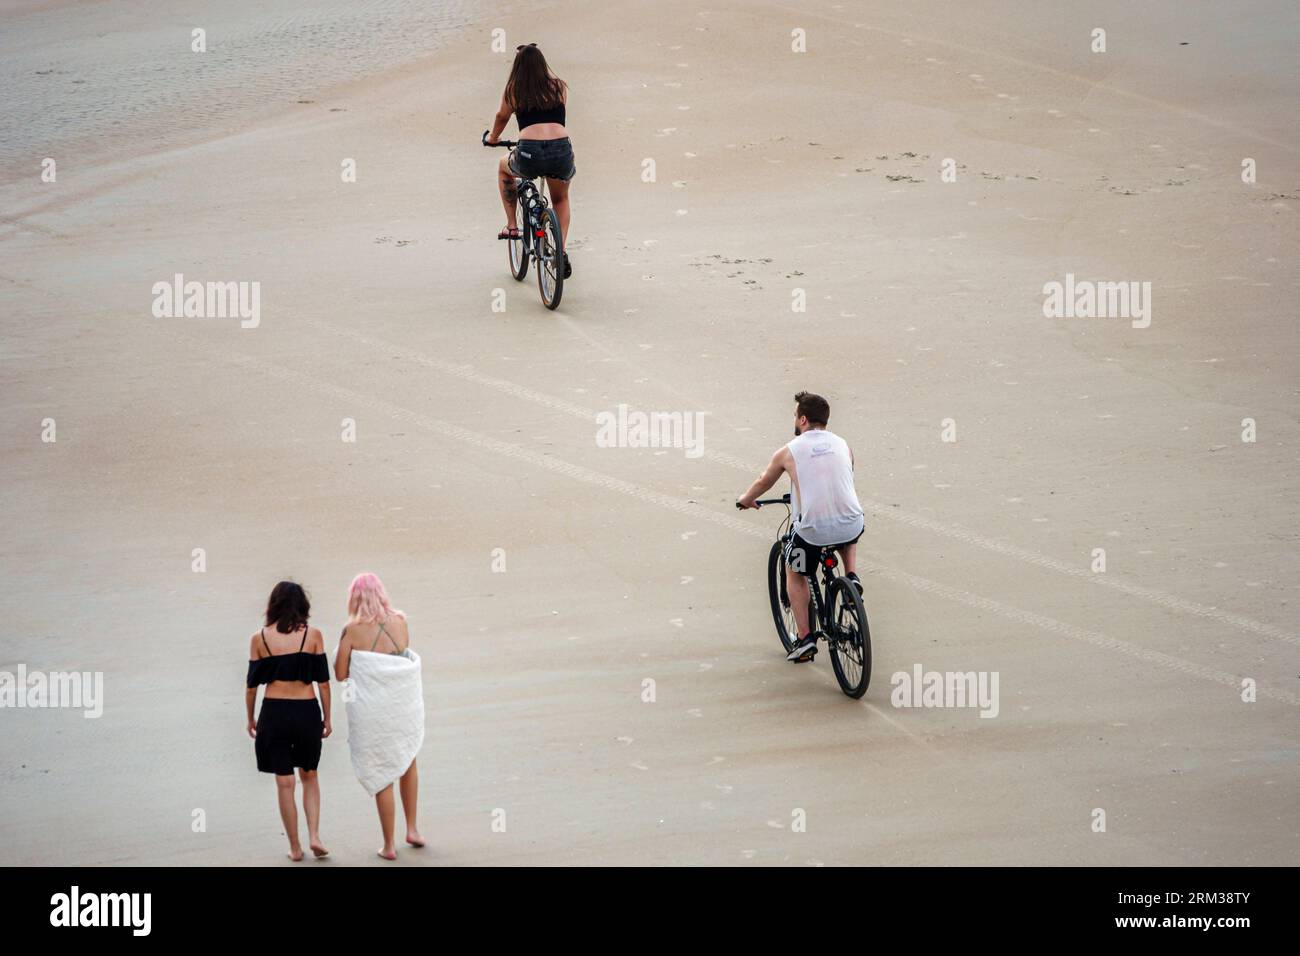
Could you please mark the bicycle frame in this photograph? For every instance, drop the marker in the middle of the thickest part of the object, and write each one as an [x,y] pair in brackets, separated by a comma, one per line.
[819,591]
[534,203]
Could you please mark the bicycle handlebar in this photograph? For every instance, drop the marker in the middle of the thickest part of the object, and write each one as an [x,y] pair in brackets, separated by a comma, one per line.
[509,143]
[783,500]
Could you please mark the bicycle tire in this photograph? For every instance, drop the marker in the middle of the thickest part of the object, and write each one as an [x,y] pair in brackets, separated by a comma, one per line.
[517,249]
[550,262]
[782,616]
[844,597]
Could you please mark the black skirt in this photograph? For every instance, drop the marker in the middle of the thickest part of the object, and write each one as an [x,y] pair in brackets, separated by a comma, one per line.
[289,734]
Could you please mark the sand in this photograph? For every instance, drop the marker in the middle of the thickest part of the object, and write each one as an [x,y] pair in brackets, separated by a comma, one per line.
[775,171]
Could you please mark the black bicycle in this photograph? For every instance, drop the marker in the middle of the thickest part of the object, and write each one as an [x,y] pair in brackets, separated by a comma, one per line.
[539,237]
[835,605]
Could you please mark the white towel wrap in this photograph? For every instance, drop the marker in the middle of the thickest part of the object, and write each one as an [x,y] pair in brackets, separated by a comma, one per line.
[385,715]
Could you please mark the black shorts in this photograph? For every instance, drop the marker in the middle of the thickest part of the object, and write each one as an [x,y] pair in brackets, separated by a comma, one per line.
[552,158]
[803,557]
[289,734]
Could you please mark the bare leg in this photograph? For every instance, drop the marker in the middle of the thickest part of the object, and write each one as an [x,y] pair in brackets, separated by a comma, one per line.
[311,807]
[289,814]
[384,803]
[509,195]
[410,789]
[797,585]
[849,552]
[560,203]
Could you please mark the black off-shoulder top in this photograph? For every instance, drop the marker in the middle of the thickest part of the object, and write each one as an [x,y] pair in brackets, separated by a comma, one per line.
[301,665]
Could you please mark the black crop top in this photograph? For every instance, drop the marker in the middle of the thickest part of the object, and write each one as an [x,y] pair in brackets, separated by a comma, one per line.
[526,118]
[297,666]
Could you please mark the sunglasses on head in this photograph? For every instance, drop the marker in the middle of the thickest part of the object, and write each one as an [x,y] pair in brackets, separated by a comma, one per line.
[524,46]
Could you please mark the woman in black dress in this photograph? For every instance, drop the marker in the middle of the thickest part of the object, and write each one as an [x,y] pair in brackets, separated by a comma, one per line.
[289,658]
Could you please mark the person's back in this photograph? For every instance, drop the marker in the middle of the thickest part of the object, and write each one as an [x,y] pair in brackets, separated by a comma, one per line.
[387,637]
[822,497]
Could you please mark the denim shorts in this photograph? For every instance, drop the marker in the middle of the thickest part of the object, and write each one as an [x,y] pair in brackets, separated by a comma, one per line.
[552,158]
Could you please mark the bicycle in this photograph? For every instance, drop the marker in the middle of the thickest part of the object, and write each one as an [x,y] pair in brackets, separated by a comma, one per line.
[539,237]
[834,604]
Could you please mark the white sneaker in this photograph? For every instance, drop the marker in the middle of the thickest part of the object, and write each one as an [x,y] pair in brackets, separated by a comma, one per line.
[804,651]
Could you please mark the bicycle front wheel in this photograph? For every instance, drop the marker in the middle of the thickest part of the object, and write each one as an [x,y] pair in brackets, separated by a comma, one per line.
[550,260]
[519,247]
[786,628]
[849,639]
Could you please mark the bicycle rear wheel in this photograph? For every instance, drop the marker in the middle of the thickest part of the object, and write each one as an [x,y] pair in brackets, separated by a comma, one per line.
[518,248]
[550,261]
[782,615]
[849,639]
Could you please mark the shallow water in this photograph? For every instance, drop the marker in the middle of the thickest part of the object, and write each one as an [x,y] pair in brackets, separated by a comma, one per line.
[92,75]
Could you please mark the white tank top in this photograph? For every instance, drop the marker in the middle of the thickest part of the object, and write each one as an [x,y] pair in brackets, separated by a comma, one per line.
[822,498]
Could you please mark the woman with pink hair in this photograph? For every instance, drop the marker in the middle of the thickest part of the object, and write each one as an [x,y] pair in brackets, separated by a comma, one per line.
[385,704]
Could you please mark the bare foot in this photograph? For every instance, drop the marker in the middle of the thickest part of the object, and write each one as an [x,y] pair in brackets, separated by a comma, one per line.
[414,839]
[295,854]
[319,849]
[388,854]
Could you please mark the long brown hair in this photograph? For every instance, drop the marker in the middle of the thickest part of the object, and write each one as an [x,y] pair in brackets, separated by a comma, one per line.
[532,85]
[288,609]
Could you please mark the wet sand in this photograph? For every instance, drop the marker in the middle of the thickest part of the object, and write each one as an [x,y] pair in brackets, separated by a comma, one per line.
[775,172]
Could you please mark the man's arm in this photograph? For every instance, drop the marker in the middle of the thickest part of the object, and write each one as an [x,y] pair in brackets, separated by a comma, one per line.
[771,474]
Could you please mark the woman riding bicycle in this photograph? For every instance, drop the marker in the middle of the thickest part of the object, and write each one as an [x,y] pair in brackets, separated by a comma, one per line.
[537,99]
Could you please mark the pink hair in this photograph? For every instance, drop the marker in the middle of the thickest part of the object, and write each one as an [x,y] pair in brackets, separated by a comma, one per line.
[368,601]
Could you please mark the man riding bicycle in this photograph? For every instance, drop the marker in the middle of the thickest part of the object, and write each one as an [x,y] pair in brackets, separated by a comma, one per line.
[825,506]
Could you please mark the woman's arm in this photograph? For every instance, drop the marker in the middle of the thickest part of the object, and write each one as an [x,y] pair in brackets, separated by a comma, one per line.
[343,657]
[250,699]
[500,120]
[325,708]
[250,694]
